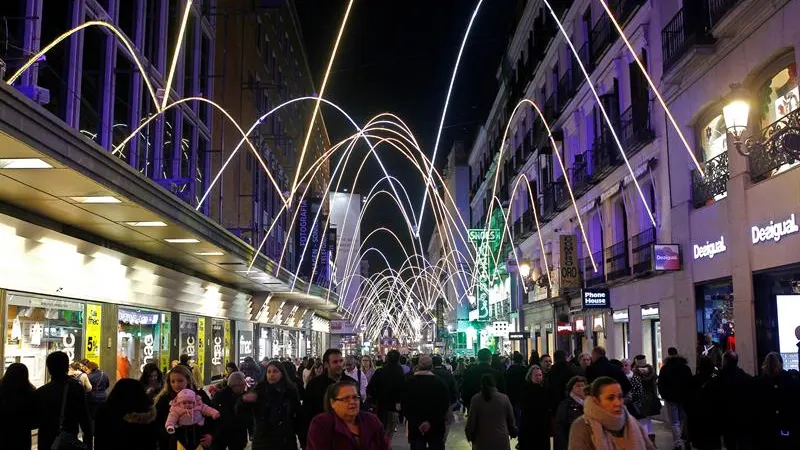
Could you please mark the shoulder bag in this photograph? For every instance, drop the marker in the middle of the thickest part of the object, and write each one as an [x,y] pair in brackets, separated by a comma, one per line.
[66,440]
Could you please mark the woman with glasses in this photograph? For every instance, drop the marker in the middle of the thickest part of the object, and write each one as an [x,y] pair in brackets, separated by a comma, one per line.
[344,425]
[275,405]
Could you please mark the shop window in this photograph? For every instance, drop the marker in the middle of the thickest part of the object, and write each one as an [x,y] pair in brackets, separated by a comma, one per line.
[714,138]
[37,326]
[715,321]
[220,337]
[188,335]
[621,333]
[142,338]
[779,96]
[651,334]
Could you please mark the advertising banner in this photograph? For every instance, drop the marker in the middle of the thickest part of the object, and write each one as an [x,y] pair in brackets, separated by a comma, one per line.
[487,244]
[166,328]
[227,345]
[570,275]
[201,347]
[245,344]
[302,230]
[217,343]
[666,257]
[342,327]
[93,322]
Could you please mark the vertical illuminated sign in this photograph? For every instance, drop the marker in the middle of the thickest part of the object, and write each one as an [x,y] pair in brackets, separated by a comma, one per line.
[93,327]
[166,328]
[227,345]
[487,244]
[200,359]
[570,275]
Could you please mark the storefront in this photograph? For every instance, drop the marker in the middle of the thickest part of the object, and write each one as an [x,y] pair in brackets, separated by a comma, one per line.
[777,313]
[142,338]
[244,341]
[320,336]
[621,333]
[538,319]
[219,347]
[651,334]
[715,318]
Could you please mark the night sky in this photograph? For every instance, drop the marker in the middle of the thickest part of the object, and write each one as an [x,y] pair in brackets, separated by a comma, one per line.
[398,56]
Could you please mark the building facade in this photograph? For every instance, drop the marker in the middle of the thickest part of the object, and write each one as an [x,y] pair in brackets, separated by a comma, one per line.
[110,254]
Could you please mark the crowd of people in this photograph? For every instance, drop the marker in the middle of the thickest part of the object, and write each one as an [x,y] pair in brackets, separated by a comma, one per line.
[584,402]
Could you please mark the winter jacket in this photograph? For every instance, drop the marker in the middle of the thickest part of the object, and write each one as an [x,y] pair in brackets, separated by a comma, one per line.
[447,377]
[76,412]
[232,427]
[426,399]
[515,383]
[651,405]
[603,368]
[776,410]
[18,416]
[535,418]
[328,432]
[278,417]
[556,383]
[736,389]
[387,387]
[188,436]
[566,413]
[314,396]
[702,411]
[472,381]
[490,423]
[580,437]
[133,431]
[674,380]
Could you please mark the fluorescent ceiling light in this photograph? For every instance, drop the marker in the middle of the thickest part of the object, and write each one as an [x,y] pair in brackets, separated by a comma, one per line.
[98,199]
[209,254]
[24,163]
[146,224]
[182,241]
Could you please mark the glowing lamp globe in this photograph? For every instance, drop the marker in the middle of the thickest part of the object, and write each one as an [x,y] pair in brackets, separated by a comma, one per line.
[736,114]
[524,269]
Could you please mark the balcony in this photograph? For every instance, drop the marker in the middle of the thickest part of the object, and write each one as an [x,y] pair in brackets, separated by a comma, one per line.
[779,148]
[528,224]
[582,180]
[603,35]
[566,88]
[714,186]
[548,202]
[635,130]
[550,109]
[624,8]
[687,29]
[717,9]
[642,249]
[561,194]
[616,258]
[605,157]
[585,56]
[590,277]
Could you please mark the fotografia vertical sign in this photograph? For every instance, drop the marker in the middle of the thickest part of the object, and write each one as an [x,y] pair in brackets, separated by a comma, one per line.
[570,275]
[302,230]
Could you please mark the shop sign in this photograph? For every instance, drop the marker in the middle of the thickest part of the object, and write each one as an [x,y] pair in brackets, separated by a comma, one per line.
[201,347]
[518,335]
[218,343]
[563,328]
[666,257]
[620,316]
[147,351]
[499,329]
[342,327]
[709,249]
[93,327]
[570,275]
[486,242]
[166,333]
[650,312]
[579,326]
[245,345]
[137,317]
[774,231]
[548,326]
[227,336]
[596,298]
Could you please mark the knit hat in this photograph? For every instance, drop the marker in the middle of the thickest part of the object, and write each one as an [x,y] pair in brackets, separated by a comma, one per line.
[186,395]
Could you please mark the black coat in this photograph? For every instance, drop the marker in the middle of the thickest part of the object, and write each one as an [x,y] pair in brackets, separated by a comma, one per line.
[603,368]
[314,395]
[674,380]
[426,399]
[472,381]
[736,390]
[189,435]
[651,404]
[556,383]
[515,382]
[100,385]
[534,429]
[76,412]
[232,427]
[18,416]
[133,431]
[777,411]
[278,417]
[387,386]
[566,413]
[447,377]
[703,413]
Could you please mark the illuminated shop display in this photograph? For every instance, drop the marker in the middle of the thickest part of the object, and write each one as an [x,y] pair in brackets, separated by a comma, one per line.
[140,341]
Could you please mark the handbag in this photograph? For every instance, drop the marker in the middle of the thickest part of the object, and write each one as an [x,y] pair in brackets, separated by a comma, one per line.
[66,440]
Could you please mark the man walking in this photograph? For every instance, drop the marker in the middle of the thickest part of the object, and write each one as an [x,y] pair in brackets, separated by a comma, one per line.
[674,385]
[444,374]
[425,403]
[61,396]
[472,379]
[314,396]
[386,387]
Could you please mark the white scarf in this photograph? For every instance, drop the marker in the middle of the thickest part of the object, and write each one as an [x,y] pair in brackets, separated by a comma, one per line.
[602,424]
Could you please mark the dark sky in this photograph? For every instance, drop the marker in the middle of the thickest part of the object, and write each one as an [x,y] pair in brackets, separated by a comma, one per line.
[398,56]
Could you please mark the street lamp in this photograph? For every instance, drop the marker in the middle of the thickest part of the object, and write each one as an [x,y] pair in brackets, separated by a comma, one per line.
[524,269]
[736,114]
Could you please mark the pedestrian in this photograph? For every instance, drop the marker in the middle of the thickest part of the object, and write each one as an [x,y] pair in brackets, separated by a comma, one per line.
[584,360]
[535,413]
[291,374]
[674,383]
[606,423]
[386,387]
[314,398]
[61,404]
[251,370]
[534,359]
[344,425]
[152,380]
[100,384]
[651,405]
[353,370]
[17,408]
[367,367]
[444,374]
[404,365]
[490,424]
[568,411]
[497,363]
[601,367]
[178,379]
[556,380]
[472,379]
[308,369]
[634,399]
[231,433]
[736,389]
[776,410]
[275,405]
[230,367]
[515,384]
[78,372]
[426,401]
[127,420]
[701,410]
[546,363]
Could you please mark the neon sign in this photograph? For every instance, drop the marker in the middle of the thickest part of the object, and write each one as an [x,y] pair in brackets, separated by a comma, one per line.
[774,231]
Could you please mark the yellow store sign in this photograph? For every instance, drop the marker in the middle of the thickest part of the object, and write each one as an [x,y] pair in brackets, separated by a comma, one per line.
[201,347]
[93,328]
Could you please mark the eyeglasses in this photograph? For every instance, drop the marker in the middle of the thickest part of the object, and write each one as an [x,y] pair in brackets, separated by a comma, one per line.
[349,398]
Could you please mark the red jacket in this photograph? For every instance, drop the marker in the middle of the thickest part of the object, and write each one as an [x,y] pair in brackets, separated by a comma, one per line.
[328,432]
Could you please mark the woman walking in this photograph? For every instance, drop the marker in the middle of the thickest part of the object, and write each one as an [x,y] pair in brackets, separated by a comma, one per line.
[17,408]
[127,420]
[343,425]
[99,393]
[535,412]
[178,379]
[606,423]
[152,380]
[490,424]
[568,411]
[776,408]
[275,405]
[233,427]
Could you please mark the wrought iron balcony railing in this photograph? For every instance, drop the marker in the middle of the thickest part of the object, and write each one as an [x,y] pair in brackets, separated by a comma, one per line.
[623,8]
[717,9]
[581,175]
[605,157]
[635,130]
[687,29]
[591,277]
[779,147]
[549,209]
[642,250]
[550,108]
[715,184]
[566,88]
[616,258]
[561,194]
[585,55]
[603,35]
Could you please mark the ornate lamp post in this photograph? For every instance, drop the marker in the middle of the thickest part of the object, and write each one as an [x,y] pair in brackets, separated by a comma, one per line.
[736,114]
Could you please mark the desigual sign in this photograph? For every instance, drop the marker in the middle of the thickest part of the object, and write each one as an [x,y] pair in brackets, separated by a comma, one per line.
[709,249]
[774,231]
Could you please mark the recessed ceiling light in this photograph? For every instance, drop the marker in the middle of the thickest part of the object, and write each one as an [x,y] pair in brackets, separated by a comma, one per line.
[24,163]
[146,224]
[182,241]
[210,254]
[96,199]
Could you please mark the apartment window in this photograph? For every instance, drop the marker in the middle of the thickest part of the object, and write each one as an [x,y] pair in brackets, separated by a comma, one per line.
[779,96]
[12,32]
[190,56]
[127,12]
[713,138]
